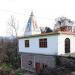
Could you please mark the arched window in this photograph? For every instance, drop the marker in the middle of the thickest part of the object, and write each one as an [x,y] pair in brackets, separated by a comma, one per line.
[67,45]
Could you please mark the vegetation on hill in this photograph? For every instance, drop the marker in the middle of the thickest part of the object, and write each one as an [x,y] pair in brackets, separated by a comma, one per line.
[9,55]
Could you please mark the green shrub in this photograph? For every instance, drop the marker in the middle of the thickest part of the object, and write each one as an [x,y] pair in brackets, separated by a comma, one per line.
[19,72]
[6,67]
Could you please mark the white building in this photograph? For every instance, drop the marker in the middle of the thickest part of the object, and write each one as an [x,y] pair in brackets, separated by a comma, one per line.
[39,49]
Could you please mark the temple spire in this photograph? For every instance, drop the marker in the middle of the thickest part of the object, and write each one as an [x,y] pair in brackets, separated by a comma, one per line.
[32,26]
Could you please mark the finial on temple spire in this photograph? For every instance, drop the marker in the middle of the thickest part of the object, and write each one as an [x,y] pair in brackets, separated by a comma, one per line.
[32,14]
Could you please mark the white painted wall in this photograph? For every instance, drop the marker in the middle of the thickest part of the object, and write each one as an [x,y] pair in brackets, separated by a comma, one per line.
[61,43]
[56,44]
[52,48]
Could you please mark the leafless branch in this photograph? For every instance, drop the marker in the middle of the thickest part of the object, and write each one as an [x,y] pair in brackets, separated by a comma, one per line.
[13,26]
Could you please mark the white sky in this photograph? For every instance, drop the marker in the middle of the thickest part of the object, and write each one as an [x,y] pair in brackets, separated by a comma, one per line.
[45,11]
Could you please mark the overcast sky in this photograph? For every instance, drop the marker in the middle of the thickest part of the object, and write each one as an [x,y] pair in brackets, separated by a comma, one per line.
[45,11]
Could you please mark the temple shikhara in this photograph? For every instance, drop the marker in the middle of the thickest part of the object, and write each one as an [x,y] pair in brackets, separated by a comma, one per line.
[39,49]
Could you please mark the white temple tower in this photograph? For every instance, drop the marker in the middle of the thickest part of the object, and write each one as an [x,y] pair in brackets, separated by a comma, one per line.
[32,27]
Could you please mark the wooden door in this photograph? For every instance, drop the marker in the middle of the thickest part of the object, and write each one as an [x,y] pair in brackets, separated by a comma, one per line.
[37,68]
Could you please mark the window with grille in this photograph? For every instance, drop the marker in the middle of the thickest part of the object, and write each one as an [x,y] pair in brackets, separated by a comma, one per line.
[43,43]
[26,43]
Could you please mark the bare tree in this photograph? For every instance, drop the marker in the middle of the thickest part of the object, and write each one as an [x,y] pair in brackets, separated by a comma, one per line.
[13,49]
[45,29]
[62,21]
[13,26]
